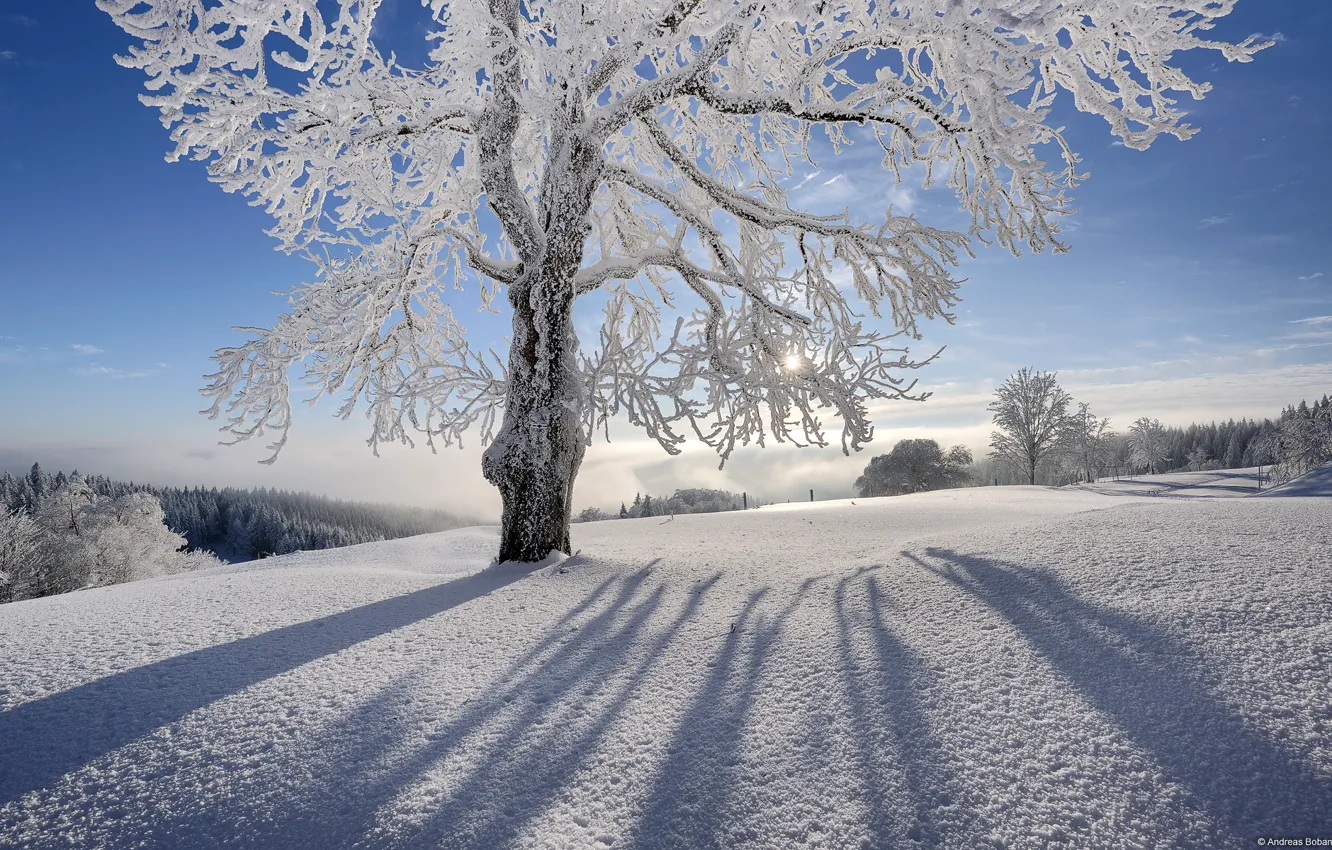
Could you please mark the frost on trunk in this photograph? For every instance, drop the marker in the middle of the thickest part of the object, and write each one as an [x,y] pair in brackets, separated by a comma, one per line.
[644,156]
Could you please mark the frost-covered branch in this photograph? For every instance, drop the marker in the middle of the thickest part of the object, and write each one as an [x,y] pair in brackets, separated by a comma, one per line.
[640,152]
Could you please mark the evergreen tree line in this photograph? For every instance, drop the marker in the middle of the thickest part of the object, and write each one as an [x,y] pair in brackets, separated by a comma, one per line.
[237,525]
[694,500]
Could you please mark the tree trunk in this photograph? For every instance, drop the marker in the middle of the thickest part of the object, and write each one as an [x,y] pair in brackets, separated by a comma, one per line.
[536,454]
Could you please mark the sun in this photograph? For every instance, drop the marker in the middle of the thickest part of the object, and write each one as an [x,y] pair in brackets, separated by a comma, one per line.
[792,362]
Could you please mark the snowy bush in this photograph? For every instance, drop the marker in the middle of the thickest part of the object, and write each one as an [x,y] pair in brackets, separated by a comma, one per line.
[81,539]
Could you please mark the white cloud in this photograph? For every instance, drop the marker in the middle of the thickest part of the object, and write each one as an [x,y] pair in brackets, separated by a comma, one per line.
[1277,37]
[96,370]
[7,54]
[1294,346]
[1213,221]
[1313,320]
[806,179]
[833,180]
[86,349]
[903,199]
[1313,276]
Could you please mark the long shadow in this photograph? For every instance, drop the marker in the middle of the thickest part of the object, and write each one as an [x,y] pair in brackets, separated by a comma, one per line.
[687,804]
[1168,489]
[41,741]
[530,778]
[525,742]
[1316,483]
[1142,678]
[893,734]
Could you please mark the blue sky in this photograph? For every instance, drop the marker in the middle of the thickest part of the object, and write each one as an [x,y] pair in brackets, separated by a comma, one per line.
[1198,274]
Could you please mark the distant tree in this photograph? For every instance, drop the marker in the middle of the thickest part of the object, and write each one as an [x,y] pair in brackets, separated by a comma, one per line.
[550,150]
[591,515]
[1031,411]
[1149,444]
[1198,459]
[1262,448]
[125,539]
[914,466]
[1235,450]
[38,479]
[1302,440]
[24,559]
[1088,443]
[700,500]
[624,512]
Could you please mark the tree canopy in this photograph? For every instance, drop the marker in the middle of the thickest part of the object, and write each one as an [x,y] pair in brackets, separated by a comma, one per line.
[914,466]
[643,151]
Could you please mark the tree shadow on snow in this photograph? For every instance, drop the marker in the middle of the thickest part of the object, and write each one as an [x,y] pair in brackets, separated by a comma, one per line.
[476,780]
[1171,489]
[41,741]
[908,789]
[687,804]
[1141,678]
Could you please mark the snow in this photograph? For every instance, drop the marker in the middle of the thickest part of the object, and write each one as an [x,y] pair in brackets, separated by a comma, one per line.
[1188,485]
[994,667]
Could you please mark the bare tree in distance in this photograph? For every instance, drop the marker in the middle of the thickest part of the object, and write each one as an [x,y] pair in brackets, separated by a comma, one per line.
[1031,411]
[550,150]
[1148,444]
[1089,441]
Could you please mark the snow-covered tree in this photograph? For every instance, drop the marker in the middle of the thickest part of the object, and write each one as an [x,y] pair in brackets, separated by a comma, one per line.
[915,466]
[82,539]
[1088,442]
[1031,411]
[1149,444]
[1302,440]
[24,559]
[552,150]
[125,539]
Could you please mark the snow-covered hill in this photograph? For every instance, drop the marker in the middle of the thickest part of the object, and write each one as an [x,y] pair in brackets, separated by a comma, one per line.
[998,667]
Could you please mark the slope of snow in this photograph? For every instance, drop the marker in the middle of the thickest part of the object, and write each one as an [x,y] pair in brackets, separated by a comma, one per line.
[1315,483]
[997,667]
[1221,483]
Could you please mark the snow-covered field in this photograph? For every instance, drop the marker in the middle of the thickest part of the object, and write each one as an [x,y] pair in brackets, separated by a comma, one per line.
[998,667]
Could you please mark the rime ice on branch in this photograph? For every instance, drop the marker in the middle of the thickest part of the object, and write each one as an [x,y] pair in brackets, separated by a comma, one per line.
[553,149]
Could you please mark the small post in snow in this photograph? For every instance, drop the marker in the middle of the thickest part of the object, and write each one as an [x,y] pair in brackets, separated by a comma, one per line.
[811,495]
[744,500]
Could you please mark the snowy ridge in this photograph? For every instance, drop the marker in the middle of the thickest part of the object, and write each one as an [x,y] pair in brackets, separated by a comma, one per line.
[1014,666]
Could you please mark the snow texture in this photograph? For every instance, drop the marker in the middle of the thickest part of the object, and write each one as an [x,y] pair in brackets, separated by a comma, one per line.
[992,667]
